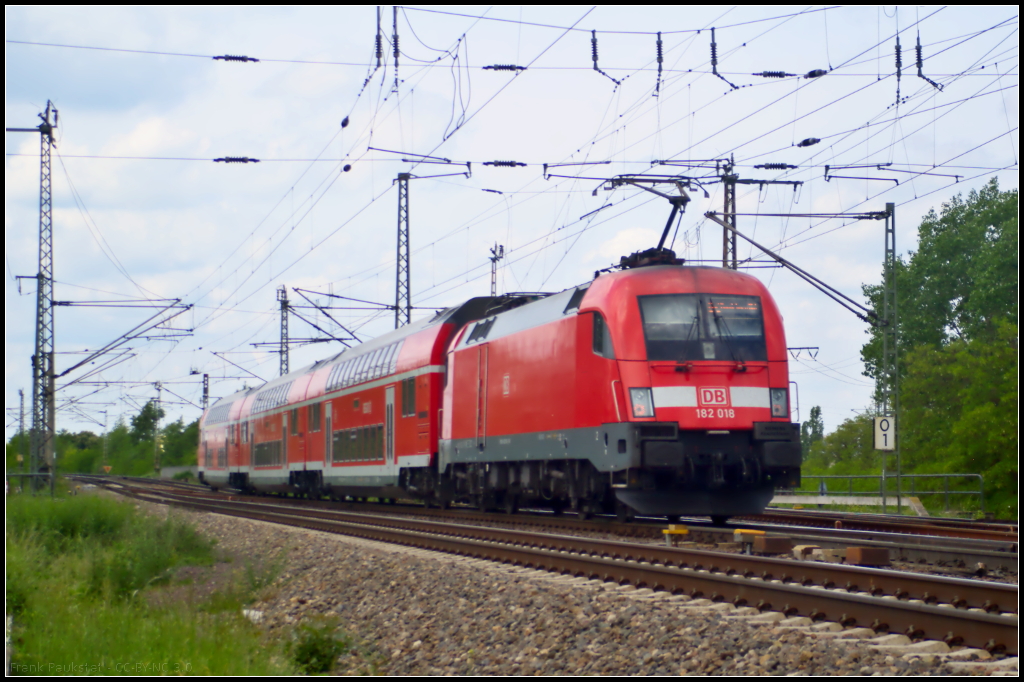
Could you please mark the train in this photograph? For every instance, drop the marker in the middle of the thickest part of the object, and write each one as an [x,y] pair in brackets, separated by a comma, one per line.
[659,388]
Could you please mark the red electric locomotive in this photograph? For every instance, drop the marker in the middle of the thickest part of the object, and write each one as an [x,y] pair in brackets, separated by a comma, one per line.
[658,390]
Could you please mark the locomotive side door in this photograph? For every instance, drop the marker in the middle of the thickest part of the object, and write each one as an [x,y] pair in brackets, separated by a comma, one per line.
[328,435]
[389,429]
[481,395]
[284,440]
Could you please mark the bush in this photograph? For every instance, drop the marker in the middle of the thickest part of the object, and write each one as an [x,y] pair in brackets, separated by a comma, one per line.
[317,646]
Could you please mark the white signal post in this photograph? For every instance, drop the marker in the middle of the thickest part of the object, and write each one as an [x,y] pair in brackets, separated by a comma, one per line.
[885,440]
[885,433]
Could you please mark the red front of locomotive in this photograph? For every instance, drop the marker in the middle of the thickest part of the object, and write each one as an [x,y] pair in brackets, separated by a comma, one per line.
[701,354]
[662,389]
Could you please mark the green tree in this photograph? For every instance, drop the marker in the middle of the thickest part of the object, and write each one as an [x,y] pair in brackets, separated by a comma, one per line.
[812,430]
[957,299]
[960,414]
[849,450]
[144,423]
[960,281]
[180,442]
[18,445]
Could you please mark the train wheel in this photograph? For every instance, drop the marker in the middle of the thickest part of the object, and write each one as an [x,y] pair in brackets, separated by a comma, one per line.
[623,513]
[672,518]
[719,519]
[511,503]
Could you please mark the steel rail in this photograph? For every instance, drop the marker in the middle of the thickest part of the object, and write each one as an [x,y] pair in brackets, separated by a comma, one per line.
[888,526]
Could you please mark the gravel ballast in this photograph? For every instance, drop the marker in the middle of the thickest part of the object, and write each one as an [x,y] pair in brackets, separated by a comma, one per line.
[416,612]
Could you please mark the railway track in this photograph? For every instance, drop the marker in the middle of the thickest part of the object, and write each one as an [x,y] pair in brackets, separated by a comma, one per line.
[956,611]
[946,550]
[949,528]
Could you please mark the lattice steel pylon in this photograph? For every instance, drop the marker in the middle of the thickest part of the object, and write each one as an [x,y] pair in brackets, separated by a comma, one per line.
[282,296]
[729,236]
[403,289]
[156,432]
[497,253]
[890,406]
[43,374]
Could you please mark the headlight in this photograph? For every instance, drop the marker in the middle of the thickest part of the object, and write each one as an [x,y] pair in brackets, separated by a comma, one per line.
[642,402]
[780,405]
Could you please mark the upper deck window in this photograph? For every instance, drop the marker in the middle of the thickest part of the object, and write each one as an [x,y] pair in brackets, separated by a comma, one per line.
[703,327]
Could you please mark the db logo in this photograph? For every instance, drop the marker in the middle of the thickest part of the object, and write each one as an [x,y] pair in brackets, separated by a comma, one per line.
[713,396]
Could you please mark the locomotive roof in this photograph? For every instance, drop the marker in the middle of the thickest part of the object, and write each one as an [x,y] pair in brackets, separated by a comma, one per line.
[527,316]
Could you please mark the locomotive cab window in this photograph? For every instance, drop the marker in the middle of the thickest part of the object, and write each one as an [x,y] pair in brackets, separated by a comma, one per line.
[687,327]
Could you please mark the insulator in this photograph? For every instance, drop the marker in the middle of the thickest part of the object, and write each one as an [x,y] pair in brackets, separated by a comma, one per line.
[504,67]
[714,54]
[919,62]
[344,122]
[899,56]
[773,74]
[396,45]
[380,48]
[236,159]
[236,58]
[817,73]
[659,48]
[506,164]
[775,166]
[593,46]
[808,142]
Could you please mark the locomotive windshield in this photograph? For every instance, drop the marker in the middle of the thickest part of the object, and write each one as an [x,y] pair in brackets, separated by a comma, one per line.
[703,327]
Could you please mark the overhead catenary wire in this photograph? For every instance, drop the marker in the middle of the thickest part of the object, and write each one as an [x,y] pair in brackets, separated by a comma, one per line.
[563,187]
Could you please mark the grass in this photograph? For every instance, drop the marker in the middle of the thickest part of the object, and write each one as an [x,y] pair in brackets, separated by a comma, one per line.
[78,569]
[252,582]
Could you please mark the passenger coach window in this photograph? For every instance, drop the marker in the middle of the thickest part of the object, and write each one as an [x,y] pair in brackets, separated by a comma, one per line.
[314,417]
[703,327]
[409,397]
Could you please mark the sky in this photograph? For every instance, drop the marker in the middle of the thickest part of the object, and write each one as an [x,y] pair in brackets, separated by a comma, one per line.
[142,212]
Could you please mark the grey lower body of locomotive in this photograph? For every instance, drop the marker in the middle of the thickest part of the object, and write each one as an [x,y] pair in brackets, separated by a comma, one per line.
[652,468]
